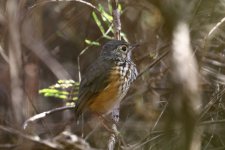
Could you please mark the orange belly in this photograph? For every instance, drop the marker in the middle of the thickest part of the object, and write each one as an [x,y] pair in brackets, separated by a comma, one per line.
[108,97]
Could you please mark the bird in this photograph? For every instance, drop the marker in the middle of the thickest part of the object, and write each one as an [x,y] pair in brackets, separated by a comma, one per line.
[107,80]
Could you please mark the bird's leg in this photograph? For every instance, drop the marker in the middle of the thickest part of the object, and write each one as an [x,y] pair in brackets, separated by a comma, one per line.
[112,129]
[105,122]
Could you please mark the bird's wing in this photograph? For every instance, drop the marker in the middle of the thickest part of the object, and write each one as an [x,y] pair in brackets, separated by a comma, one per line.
[93,81]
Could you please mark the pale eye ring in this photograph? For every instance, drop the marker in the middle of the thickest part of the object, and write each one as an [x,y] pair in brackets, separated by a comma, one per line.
[124,48]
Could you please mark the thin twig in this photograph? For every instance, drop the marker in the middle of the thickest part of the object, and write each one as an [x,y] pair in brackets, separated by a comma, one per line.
[78,61]
[44,2]
[146,139]
[216,27]
[8,146]
[4,56]
[150,140]
[156,60]
[212,31]
[86,48]
[46,113]
[160,116]
[213,100]
[43,123]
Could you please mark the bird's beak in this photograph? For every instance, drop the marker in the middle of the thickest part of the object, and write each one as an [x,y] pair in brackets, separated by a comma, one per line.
[133,46]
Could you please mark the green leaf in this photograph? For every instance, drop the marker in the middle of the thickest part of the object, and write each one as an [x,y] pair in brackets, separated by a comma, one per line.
[98,22]
[106,17]
[70,104]
[75,98]
[120,7]
[110,8]
[63,92]
[62,89]
[89,42]
[48,91]
[62,97]
[123,35]
[48,94]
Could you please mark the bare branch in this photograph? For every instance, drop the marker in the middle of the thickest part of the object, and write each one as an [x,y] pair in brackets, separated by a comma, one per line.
[215,27]
[213,100]
[156,61]
[115,112]
[35,44]
[184,69]
[15,60]
[116,19]
[45,114]
[30,138]
[213,122]
[48,1]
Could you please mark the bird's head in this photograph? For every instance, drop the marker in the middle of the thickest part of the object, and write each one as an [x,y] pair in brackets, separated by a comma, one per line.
[116,49]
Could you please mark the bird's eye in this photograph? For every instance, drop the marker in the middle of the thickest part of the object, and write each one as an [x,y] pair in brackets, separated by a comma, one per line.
[124,48]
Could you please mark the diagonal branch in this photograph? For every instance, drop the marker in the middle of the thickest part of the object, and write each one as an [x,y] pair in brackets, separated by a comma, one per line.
[30,138]
[46,113]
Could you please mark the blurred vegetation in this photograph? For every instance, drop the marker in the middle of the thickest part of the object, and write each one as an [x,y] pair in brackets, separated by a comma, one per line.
[60,90]
[46,45]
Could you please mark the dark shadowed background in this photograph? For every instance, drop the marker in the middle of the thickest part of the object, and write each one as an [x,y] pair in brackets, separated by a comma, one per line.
[177,101]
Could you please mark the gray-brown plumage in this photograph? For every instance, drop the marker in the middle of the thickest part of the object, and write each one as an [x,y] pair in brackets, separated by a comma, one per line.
[107,80]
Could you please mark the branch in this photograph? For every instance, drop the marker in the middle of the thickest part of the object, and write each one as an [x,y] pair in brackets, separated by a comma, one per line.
[212,101]
[30,138]
[115,112]
[15,60]
[216,27]
[81,1]
[46,113]
[213,122]
[85,50]
[156,60]
[34,42]
[116,19]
